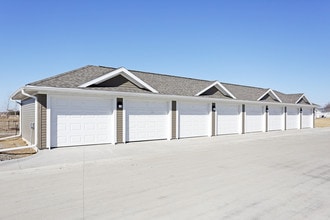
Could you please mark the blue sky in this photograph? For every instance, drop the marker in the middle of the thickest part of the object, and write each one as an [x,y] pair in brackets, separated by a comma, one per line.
[279,44]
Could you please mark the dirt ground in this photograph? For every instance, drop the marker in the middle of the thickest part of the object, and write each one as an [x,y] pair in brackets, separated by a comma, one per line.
[14,142]
[322,122]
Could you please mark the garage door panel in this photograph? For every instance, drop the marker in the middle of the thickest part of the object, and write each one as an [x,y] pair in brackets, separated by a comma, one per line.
[228,119]
[146,120]
[101,138]
[193,120]
[76,139]
[292,118]
[307,118]
[254,120]
[275,118]
[81,121]
[89,138]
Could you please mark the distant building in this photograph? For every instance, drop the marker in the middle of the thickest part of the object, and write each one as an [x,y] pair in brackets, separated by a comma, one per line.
[319,113]
[323,112]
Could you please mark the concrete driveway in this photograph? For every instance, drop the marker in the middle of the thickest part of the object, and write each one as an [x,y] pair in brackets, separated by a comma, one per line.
[275,175]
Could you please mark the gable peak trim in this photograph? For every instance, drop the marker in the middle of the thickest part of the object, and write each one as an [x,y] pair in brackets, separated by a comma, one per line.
[303,97]
[272,94]
[220,87]
[125,73]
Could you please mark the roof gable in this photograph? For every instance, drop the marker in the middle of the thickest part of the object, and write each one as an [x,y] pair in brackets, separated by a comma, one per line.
[117,81]
[222,89]
[269,94]
[303,100]
[105,80]
[215,93]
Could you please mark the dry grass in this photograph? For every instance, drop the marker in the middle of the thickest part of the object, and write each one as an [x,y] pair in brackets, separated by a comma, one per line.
[322,122]
[14,142]
[9,126]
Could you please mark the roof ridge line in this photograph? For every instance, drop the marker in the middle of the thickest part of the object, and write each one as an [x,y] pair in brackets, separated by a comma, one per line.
[246,86]
[183,77]
[166,74]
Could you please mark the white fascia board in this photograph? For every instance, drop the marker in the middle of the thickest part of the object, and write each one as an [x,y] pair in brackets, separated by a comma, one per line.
[226,90]
[18,91]
[303,97]
[139,81]
[101,78]
[219,86]
[207,88]
[86,92]
[30,90]
[272,93]
[125,73]
[77,91]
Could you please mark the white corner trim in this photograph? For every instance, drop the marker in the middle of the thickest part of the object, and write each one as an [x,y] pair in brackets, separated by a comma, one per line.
[114,121]
[120,71]
[219,86]
[302,97]
[272,93]
[49,122]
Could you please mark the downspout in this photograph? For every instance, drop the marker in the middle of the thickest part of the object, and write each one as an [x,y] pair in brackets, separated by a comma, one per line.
[20,118]
[33,146]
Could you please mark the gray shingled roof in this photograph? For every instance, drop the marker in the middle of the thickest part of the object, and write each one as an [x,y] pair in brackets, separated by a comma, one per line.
[245,92]
[74,78]
[288,98]
[164,84]
[173,85]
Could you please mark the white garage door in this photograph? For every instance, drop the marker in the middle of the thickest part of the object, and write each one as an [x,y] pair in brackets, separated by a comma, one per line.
[194,120]
[80,121]
[307,119]
[146,120]
[229,119]
[254,119]
[275,118]
[292,118]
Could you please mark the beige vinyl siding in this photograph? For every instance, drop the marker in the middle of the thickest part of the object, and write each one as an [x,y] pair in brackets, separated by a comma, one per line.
[267,119]
[119,121]
[42,121]
[213,118]
[243,118]
[173,119]
[300,118]
[28,117]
